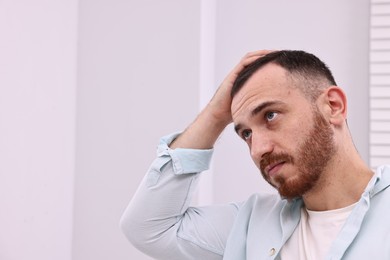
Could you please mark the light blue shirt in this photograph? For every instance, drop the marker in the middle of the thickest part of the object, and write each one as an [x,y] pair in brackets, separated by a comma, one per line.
[159,221]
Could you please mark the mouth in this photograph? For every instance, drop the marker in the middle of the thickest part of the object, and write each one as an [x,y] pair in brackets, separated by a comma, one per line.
[272,169]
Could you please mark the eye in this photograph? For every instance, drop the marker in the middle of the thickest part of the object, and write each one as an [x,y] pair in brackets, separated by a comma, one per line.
[246,134]
[269,116]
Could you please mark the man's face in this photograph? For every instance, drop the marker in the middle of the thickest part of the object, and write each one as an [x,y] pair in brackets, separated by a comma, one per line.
[289,139]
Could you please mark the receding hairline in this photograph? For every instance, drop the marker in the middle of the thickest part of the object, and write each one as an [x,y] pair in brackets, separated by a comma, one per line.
[310,87]
[305,70]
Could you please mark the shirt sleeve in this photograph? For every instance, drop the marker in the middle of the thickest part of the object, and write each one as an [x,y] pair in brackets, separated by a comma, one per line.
[159,221]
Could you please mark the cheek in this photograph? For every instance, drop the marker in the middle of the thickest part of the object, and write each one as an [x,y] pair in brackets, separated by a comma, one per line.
[298,128]
[291,139]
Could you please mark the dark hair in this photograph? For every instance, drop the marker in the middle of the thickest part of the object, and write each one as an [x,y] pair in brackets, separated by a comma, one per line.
[303,68]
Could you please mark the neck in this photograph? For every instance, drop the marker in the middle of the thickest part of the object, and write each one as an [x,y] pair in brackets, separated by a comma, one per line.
[341,184]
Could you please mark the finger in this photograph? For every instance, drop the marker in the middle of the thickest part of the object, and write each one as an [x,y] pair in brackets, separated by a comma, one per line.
[245,62]
[251,57]
[248,59]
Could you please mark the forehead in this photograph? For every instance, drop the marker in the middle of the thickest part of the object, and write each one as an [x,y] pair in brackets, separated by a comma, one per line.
[270,83]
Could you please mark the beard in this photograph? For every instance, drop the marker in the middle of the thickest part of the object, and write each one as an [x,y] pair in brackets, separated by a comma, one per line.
[313,155]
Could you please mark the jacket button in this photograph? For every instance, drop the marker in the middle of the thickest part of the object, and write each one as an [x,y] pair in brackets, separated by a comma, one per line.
[272,251]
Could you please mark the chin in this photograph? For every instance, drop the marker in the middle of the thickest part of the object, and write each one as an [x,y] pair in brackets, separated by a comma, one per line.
[293,187]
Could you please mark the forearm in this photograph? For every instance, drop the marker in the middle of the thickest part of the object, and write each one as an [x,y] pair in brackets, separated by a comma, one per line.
[202,133]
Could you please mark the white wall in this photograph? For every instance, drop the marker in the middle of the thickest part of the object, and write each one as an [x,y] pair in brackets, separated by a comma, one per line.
[138,80]
[37,128]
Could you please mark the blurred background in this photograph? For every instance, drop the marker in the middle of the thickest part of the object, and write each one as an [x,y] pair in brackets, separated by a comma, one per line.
[87,88]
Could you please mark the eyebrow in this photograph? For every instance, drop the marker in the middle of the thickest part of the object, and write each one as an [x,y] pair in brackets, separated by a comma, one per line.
[257,110]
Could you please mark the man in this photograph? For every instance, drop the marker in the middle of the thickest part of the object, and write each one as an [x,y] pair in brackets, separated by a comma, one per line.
[286,106]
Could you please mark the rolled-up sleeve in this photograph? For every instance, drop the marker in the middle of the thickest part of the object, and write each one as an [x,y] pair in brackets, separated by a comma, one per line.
[158,219]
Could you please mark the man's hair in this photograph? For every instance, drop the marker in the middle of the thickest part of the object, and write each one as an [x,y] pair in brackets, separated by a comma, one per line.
[307,72]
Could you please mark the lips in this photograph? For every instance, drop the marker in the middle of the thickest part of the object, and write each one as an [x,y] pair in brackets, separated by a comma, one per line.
[272,169]
[271,164]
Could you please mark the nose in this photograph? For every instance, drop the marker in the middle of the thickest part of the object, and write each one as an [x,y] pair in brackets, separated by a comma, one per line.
[261,144]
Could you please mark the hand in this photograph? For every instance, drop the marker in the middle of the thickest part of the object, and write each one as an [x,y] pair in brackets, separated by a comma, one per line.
[209,124]
[219,106]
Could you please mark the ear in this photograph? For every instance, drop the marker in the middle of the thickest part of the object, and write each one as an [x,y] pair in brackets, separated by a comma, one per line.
[336,103]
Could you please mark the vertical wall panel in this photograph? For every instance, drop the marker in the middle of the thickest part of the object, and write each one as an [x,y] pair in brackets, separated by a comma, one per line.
[206,83]
[138,78]
[380,83]
[38,52]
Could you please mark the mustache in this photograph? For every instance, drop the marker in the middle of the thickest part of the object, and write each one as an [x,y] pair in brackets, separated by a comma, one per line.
[269,159]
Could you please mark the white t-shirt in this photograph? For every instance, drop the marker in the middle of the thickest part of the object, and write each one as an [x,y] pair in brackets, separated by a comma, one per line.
[315,233]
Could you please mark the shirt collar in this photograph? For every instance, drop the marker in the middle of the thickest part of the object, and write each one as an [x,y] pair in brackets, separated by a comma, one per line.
[379,181]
